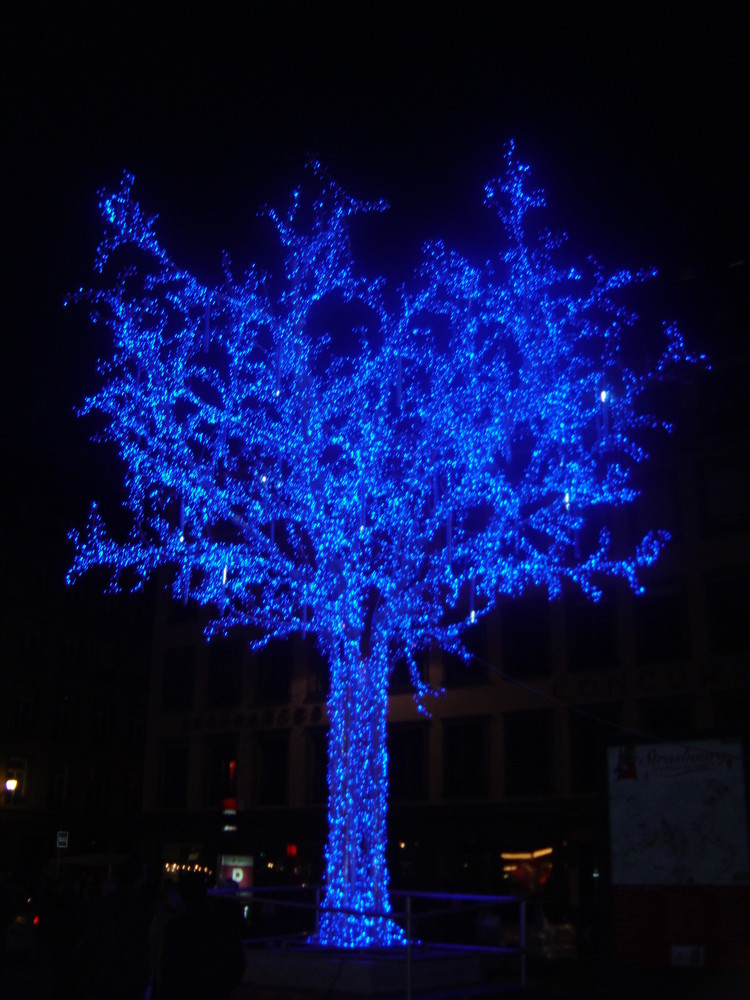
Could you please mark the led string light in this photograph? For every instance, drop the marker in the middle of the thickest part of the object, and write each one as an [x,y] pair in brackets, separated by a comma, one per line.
[383,500]
[178,868]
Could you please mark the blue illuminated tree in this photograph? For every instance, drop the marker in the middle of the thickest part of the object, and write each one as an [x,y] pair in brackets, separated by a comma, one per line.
[311,450]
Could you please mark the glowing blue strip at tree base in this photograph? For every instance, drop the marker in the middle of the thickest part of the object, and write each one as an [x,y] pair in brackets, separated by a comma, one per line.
[470,442]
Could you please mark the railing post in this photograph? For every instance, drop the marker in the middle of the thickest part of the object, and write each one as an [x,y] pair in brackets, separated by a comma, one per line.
[522,942]
[407,911]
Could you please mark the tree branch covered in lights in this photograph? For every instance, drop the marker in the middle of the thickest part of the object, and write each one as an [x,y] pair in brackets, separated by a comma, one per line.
[383,497]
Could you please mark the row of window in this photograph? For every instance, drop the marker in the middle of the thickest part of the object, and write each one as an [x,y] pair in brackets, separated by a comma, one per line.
[520,633]
[530,766]
[66,717]
[719,505]
[91,788]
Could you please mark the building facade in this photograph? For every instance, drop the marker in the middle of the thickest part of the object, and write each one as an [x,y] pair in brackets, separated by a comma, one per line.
[513,756]
[75,680]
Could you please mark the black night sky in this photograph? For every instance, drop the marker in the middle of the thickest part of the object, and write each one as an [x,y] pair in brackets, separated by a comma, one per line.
[635,122]
[634,117]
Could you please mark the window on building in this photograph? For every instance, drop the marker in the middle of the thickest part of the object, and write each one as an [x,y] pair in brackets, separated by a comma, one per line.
[724,496]
[58,789]
[661,623]
[95,790]
[31,651]
[525,636]
[22,720]
[466,758]
[458,673]
[131,793]
[173,775]
[528,756]
[178,679]
[590,634]
[273,768]
[70,652]
[667,718]
[183,611]
[101,723]
[136,726]
[733,714]
[105,658]
[272,670]
[399,681]
[222,770]
[317,669]
[225,658]
[482,638]
[65,716]
[659,503]
[407,761]
[316,764]
[589,736]
[727,617]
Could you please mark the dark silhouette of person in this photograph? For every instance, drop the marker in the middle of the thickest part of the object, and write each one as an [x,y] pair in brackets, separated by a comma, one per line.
[201,953]
[168,907]
[114,951]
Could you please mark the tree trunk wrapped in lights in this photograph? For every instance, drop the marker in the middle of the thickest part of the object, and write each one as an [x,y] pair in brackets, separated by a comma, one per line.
[468,444]
[356,873]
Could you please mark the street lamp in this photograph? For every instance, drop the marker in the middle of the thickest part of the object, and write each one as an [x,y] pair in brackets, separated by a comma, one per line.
[11,784]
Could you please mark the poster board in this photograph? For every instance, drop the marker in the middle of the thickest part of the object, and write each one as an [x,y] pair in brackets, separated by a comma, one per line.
[678,814]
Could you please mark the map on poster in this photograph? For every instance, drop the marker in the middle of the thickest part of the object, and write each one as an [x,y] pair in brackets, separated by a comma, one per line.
[678,814]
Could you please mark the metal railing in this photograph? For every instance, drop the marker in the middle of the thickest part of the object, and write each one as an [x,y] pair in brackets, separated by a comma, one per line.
[272,918]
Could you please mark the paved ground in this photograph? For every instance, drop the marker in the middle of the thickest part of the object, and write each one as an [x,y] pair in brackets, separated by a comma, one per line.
[582,980]
[597,980]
